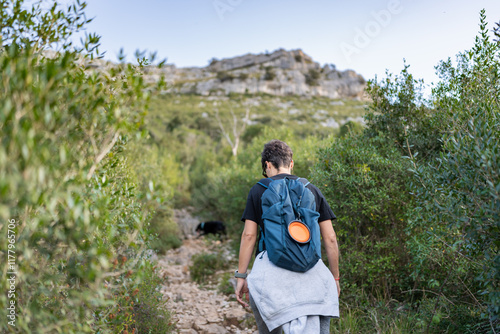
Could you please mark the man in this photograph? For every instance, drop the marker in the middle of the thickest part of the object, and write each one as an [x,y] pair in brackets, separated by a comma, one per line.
[281,299]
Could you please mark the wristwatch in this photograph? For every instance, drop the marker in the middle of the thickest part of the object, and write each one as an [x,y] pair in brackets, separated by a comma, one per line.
[240,275]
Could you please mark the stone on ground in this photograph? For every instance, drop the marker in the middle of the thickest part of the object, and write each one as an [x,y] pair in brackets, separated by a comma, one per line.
[199,309]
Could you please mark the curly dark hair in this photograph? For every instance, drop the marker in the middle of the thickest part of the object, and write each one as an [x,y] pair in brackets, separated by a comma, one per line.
[278,153]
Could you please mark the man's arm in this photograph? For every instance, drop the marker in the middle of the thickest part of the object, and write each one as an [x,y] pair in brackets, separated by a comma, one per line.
[332,249]
[248,240]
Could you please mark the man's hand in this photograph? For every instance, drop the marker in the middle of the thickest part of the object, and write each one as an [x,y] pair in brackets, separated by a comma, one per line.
[242,290]
[338,287]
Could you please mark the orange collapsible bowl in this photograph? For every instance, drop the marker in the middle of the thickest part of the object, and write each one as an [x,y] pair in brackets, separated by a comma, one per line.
[299,231]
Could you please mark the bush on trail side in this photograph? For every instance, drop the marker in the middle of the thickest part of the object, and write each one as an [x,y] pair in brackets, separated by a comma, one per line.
[149,313]
[365,184]
[80,234]
[205,265]
[451,141]
[459,191]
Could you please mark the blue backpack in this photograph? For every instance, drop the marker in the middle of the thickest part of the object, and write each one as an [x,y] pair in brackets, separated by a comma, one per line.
[286,201]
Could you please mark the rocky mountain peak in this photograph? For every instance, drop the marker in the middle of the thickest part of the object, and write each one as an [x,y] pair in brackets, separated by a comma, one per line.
[279,73]
[282,59]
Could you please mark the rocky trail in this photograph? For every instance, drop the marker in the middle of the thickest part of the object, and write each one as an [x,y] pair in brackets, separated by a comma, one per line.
[200,309]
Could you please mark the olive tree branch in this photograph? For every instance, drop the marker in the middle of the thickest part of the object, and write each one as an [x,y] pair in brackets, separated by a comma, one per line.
[107,147]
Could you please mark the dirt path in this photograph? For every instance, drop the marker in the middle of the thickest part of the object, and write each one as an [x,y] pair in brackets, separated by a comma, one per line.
[199,309]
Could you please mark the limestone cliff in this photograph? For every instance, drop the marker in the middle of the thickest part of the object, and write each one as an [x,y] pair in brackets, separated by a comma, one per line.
[278,73]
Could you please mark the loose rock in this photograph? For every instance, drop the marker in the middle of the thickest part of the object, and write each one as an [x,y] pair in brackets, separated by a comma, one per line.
[199,309]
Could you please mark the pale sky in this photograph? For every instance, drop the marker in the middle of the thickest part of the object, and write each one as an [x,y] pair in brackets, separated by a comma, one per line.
[368,36]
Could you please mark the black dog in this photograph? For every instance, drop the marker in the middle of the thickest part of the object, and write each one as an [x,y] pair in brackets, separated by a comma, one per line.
[211,227]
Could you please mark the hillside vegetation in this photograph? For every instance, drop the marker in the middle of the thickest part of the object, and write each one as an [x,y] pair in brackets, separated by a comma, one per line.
[69,201]
[92,164]
[415,191]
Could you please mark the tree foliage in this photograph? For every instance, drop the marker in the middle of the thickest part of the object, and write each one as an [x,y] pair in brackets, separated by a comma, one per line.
[365,184]
[63,178]
[400,113]
[453,227]
[459,191]
[224,191]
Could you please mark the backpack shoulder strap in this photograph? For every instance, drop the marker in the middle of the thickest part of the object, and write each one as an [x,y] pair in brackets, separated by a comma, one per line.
[265,182]
[304,181]
[297,197]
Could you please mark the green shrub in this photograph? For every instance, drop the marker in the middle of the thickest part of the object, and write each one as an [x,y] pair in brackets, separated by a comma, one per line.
[137,302]
[243,76]
[212,61]
[151,162]
[351,321]
[312,77]
[351,128]
[459,192]
[64,180]
[269,74]
[453,227]
[225,76]
[225,286]
[251,132]
[400,112]
[165,230]
[369,315]
[149,312]
[206,265]
[365,184]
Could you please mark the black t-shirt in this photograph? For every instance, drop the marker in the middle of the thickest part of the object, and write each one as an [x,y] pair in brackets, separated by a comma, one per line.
[253,209]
